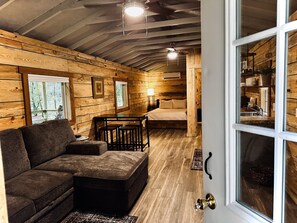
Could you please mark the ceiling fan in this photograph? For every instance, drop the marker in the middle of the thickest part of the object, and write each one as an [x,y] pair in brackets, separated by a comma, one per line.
[172,52]
[136,8]
[155,6]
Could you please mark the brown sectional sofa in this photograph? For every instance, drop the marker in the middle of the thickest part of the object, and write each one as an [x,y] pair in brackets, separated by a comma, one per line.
[48,173]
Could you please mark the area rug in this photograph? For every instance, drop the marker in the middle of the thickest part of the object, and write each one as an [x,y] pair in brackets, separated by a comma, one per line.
[81,217]
[197,162]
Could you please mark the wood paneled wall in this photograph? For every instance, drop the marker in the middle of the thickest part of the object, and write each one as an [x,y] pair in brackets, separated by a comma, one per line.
[16,50]
[167,89]
[265,55]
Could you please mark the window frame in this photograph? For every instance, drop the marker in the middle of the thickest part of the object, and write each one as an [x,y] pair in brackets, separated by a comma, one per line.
[117,110]
[25,71]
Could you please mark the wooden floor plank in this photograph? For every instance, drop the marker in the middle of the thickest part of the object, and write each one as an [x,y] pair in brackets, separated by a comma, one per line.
[172,187]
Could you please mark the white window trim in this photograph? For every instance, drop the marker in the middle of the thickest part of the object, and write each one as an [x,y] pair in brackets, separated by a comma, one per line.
[125,95]
[45,78]
[230,93]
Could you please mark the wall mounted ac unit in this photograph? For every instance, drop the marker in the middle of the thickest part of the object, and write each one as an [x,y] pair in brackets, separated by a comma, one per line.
[171,76]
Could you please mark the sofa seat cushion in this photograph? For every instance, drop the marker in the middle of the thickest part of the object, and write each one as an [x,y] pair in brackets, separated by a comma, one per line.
[14,154]
[114,170]
[47,140]
[42,187]
[19,209]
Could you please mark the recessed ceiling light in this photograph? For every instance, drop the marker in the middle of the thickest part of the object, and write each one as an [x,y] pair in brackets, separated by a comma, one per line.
[134,8]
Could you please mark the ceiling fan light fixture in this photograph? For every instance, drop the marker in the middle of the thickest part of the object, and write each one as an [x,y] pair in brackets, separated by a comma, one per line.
[172,55]
[134,8]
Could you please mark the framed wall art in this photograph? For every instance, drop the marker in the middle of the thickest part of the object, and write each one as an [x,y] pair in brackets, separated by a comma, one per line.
[98,87]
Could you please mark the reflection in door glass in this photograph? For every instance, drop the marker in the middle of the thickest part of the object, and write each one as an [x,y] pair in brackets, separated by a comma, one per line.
[256,16]
[257,83]
[291,112]
[256,169]
[292,13]
[291,183]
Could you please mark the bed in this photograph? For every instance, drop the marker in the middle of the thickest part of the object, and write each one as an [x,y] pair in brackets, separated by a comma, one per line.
[169,114]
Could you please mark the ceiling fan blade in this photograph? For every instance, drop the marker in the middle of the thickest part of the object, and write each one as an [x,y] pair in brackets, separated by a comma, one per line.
[156,7]
[170,49]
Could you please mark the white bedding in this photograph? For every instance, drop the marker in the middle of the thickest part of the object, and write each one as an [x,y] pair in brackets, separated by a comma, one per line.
[167,114]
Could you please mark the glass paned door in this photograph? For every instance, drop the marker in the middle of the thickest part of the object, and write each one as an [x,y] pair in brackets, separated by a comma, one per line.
[263,112]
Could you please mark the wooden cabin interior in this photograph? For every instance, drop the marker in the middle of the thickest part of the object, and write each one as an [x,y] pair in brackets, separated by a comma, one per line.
[112,63]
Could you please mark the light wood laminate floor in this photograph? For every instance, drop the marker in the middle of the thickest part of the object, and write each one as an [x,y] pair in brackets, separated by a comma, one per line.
[172,187]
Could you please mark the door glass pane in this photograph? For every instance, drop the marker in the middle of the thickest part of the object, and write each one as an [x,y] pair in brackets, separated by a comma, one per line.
[291,119]
[256,83]
[292,13]
[291,183]
[255,172]
[255,16]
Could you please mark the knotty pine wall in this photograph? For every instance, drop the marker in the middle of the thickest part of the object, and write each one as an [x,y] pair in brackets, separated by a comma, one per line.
[173,89]
[16,50]
[167,89]
[265,54]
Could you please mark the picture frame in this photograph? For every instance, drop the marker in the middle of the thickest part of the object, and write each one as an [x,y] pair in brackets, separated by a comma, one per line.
[98,87]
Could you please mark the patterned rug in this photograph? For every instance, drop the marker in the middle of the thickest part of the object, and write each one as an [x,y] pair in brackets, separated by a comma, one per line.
[197,162]
[79,217]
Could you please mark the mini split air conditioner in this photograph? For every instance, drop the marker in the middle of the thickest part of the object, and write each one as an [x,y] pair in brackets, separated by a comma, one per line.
[171,76]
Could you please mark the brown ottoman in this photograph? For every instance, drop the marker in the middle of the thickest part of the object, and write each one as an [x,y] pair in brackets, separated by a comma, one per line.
[111,182]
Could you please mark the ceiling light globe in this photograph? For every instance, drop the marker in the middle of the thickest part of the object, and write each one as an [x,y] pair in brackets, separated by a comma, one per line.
[172,55]
[134,9]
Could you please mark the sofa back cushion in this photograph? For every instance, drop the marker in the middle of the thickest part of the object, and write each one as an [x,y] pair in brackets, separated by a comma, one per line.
[47,140]
[14,154]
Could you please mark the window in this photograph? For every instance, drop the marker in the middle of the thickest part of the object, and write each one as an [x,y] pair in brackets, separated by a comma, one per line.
[47,97]
[121,94]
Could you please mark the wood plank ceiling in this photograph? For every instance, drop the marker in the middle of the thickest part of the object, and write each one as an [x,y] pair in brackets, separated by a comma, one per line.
[96,27]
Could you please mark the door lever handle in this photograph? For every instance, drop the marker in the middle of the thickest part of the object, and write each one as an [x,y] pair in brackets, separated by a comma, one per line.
[209,201]
[205,166]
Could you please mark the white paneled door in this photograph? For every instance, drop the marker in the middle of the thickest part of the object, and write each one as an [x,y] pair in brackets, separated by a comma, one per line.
[249,97]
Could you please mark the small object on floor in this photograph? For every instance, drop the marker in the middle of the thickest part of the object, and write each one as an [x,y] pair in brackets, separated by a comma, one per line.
[81,217]
[197,162]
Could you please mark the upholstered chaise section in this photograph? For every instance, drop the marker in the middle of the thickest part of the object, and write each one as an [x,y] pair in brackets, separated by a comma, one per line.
[19,208]
[108,178]
[47,140]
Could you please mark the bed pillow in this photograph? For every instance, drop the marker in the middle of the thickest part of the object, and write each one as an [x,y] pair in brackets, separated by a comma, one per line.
[179,103]
[166,104]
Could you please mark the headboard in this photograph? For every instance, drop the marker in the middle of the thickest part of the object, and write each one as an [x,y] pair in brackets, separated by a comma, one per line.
[158,101]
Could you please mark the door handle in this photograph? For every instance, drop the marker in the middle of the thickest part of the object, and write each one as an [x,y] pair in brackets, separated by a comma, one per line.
[205,166]
[209,201]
